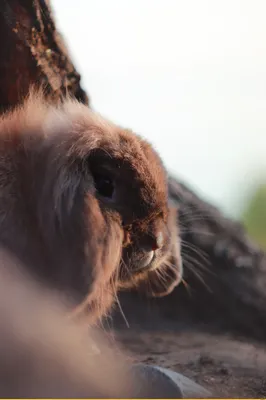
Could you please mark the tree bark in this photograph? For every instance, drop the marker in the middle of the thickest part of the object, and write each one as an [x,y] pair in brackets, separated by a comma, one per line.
[33,52]
[224,270]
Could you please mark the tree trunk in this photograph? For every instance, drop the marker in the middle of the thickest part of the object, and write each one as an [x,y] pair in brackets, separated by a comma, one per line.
[33,52]
[224,270]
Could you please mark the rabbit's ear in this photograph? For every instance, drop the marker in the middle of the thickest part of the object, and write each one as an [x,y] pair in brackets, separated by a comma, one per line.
[103,241]
[103,248]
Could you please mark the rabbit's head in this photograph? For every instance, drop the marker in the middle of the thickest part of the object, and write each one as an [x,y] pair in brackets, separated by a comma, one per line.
[91,202]
[131,185]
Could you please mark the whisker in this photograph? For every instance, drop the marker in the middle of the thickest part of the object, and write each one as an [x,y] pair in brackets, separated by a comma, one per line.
[125,266]
[169,264]
[202,254]
[187,287]
[200,265]
[120,307]
[189,210]
[163,278]
[196,231]
[162,274]
[193,214]
[197,274]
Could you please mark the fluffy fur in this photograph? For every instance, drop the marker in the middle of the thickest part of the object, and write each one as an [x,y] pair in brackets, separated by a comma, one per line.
[44,354]
[84,204]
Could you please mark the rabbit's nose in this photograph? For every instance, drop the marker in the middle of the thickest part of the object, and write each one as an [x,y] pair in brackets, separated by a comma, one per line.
[154,241]
[158,241]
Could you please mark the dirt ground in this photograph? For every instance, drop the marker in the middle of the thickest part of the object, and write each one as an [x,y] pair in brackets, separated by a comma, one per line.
[227,367]
[228,364]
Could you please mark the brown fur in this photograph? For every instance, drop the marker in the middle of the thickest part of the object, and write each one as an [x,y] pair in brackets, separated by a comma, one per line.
[44,354]
[54,218]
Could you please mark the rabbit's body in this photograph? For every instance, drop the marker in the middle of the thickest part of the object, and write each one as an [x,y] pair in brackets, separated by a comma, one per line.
[83,203]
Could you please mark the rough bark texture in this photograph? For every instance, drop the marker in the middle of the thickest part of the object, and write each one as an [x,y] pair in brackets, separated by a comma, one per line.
[33,52]
[224,270]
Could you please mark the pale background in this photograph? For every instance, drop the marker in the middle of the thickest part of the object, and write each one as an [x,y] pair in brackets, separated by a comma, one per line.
[189,75]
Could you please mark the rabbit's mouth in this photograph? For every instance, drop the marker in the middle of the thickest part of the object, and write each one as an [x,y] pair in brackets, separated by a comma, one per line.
[135,262]
[145,261]
[153,271]
[156,274]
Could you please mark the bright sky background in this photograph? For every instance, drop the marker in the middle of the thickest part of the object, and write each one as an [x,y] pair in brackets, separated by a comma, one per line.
[189,75]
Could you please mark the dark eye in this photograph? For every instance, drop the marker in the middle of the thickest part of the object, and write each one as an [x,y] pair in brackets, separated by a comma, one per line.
[104,185]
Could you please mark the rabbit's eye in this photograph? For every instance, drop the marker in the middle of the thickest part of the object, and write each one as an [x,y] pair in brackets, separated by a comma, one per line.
[104,185]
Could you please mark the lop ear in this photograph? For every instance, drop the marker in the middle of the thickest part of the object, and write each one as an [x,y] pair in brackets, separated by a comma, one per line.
[161,282]
[103,248]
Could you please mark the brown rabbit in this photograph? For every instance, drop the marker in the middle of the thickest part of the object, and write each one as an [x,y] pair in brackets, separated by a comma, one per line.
[84,203]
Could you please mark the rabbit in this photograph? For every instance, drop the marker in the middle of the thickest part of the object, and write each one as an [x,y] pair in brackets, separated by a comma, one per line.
[84,204]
